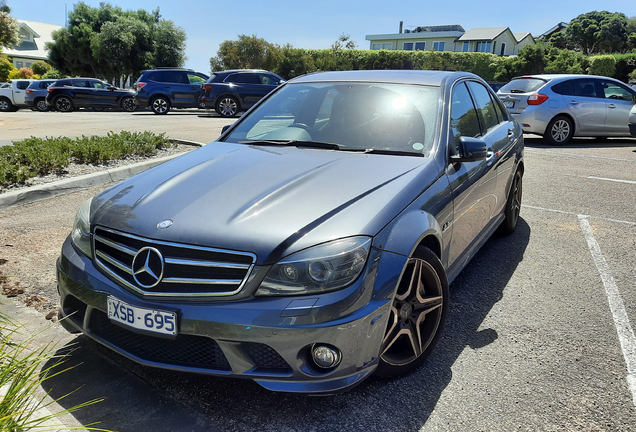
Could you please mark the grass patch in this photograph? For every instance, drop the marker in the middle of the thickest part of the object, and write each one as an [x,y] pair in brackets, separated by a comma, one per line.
[37,156]
[20,376]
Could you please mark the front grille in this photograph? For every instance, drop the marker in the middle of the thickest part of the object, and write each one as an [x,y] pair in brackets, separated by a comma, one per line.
[186,270]
[265,357]
[184,350]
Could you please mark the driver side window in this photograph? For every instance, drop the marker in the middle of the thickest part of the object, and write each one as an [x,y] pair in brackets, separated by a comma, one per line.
[613,90]
[463,121]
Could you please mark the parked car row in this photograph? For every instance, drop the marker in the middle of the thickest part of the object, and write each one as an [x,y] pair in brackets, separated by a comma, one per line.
[228,92]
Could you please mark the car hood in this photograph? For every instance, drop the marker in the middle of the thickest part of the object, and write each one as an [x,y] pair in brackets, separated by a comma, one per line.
[271,201]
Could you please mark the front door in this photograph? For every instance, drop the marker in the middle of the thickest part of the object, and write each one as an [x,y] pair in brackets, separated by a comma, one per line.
[619,101]
[472,183]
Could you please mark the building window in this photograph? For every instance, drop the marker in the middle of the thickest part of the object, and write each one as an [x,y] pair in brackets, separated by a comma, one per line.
[408,46]
[19,64]
[387,46]
[376,46]
[466,47]
[438,46]
[484,46]
[419,46]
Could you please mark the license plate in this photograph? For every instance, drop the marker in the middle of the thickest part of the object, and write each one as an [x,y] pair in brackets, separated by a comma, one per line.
[141,318]
[509,104]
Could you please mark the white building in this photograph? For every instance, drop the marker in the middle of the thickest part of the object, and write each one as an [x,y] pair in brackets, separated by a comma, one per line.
[34,35]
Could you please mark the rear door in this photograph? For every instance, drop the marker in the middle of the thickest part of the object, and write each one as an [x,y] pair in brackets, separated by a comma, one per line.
[619,101]
[247,86]
[587,105]
[81,92]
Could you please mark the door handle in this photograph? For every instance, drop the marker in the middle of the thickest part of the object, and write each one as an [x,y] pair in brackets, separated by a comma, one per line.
[166,86]
[511,134]
[574,102]
[611,106]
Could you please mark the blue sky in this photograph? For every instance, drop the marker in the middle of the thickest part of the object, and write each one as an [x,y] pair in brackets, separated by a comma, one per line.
[317,24]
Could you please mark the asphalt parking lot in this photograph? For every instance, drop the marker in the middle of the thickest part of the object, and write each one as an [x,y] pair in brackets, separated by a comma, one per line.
[539,333]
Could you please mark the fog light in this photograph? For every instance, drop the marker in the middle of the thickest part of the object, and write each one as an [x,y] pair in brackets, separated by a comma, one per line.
[325,357]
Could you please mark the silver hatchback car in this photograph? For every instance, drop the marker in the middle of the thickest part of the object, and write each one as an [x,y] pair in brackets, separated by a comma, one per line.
[560,107]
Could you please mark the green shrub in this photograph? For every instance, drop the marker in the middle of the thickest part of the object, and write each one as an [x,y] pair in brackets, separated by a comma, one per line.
[36,156]
[53,74]
[566,62]
[5,69]
[22,73]
[625,63]
[603,65]
[40,67]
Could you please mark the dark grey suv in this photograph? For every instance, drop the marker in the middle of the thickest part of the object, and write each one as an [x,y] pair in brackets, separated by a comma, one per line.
[163,88]
[310,246]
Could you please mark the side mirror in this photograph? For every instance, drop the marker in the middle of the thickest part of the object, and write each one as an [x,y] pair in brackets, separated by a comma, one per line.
[471,150]
[111,88]
[225,128]
[281,82]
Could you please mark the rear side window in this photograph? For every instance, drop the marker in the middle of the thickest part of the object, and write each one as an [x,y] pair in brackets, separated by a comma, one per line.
[45,84]
[169,77]
[463,115]
[22,85]
[244,78]
[79,83]
[485,108]
[564,88]
[523,85]
[584,87]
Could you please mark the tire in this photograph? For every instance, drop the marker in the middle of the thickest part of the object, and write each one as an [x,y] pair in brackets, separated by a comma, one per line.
[128,104]
[160,105]
[417,316]
[64,104]
[41,105]
[5,105]
[227,106]
[559,131]
[513,205]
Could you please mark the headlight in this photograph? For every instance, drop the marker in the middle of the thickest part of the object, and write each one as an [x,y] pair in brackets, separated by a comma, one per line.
[319,269]
[81,232]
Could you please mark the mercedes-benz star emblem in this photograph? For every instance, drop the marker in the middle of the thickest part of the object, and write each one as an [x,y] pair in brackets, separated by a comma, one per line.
[164,224]
[147,267]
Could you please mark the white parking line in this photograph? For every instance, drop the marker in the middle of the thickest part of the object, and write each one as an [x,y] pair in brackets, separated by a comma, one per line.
[612,180]
[619,314]
[577,214]
[578,155]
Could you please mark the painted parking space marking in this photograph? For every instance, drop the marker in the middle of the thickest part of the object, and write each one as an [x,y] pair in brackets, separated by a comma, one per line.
[578,155]
[617,307]
[612,180]
[624,330]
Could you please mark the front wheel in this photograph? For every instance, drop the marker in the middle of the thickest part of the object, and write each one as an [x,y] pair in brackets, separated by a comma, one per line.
[513,205]
[64,104]
[128,104]
[559,131]
[227,106]
[417,315]
[160,105]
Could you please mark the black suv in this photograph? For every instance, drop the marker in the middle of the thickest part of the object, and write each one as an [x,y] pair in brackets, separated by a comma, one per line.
[70,94]
[165,88]
[232,91]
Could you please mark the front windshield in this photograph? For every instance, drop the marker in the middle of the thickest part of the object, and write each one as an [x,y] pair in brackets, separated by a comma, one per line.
[376,116]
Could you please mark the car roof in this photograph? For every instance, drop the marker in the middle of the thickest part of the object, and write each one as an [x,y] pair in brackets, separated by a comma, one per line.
[432,78]
[564,76]
[243,71]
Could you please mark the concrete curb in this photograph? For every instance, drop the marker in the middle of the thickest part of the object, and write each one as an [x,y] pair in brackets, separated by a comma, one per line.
[63,187]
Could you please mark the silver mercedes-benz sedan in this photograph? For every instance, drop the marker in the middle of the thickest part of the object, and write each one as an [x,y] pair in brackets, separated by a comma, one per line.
[560,107]
[312,244]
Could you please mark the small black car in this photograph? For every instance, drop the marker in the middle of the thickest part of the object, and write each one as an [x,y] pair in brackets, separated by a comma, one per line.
[163,88]
[232,91]
[69,94]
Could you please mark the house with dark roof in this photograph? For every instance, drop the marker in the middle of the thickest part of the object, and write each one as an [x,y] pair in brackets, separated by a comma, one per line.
[497,40]
[34,36]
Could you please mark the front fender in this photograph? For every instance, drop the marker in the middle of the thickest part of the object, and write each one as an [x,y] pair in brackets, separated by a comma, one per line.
[420,223]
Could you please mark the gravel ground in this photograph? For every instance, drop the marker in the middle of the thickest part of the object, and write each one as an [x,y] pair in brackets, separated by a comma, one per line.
[29,247]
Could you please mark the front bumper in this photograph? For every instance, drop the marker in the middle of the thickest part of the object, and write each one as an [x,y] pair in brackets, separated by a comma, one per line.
[267,339]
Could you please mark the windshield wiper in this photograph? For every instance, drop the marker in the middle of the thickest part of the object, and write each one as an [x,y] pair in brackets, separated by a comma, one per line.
[394,152]
[295,143]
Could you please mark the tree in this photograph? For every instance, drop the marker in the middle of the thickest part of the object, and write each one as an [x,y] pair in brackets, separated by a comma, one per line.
[9,29]
[5,69]
[40,67]
[344,41]
[112,43]
[248,52]
[598,32]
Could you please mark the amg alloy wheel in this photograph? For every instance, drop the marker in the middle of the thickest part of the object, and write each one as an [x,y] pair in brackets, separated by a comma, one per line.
[227,107]
[417,315]
[63,104]
[160,105]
